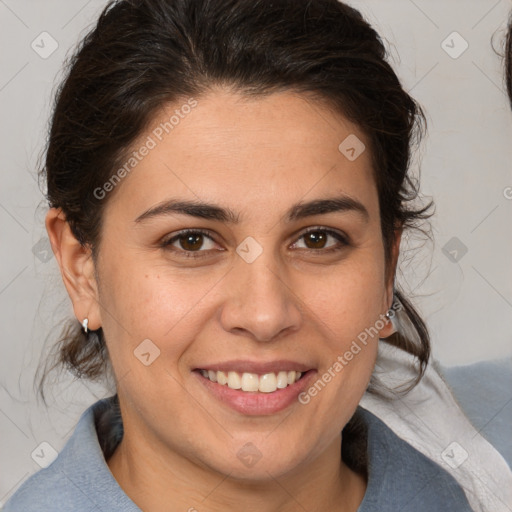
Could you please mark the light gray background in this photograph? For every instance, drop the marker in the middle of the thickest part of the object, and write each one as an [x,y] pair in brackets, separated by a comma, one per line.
[465,166]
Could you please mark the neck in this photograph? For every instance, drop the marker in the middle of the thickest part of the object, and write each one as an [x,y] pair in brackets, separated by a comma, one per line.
[158,479]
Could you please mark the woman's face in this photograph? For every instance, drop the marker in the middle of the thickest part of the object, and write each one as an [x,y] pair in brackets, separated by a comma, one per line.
[252,292]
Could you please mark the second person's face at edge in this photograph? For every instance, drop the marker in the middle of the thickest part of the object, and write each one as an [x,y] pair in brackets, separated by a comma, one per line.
[304,299]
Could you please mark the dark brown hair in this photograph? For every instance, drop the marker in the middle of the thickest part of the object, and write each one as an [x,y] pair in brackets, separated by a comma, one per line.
[508,60]
[143,54]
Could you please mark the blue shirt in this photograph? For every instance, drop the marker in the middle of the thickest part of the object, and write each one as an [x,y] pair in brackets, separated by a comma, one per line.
[79,480]
[484,392]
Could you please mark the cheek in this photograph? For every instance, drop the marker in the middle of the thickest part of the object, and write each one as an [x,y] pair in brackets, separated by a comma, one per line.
[347,300]
[142,301]
[346,307]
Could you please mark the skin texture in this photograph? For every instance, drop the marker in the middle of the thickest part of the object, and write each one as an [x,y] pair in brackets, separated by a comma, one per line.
[257,157]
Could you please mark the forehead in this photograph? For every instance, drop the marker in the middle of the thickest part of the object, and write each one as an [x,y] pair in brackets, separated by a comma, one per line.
[237,149]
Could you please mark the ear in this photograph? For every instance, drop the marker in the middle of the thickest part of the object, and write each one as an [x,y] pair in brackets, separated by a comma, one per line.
[76,267]
[389,329]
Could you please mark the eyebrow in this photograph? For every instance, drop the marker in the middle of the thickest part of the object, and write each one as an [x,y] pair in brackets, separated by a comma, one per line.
[298,211]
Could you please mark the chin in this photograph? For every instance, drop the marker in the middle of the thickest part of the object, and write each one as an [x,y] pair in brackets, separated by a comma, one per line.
[256,462]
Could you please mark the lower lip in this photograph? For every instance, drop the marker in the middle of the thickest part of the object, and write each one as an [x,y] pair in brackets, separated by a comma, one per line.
[254,403]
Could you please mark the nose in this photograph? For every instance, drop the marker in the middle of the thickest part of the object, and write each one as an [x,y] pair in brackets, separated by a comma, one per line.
[259,302]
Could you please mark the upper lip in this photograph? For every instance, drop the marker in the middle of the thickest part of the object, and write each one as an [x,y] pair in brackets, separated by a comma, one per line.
[247,366]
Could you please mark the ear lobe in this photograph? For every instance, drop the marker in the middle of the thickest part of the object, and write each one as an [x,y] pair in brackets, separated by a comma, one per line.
[76,267]
[389,327]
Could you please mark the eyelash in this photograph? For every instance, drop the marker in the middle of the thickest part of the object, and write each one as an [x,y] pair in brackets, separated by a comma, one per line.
[165,244]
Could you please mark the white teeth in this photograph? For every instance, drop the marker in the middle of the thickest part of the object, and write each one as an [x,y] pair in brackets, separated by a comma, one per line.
[234,381]
[250,382]
[267,383]
[282,380]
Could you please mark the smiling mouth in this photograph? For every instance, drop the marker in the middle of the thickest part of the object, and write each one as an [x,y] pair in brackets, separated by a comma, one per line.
[253,382]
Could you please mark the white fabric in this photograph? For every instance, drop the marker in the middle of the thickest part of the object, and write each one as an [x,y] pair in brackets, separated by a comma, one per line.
[429,418]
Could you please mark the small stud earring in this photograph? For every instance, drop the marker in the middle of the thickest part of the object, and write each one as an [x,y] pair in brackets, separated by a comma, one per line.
[390,316]
[84,324]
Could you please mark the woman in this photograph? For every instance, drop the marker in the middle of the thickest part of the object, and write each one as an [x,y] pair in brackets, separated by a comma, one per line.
[228,186]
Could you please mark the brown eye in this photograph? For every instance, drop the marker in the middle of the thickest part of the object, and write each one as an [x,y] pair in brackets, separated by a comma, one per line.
[191,242]
[315,239]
